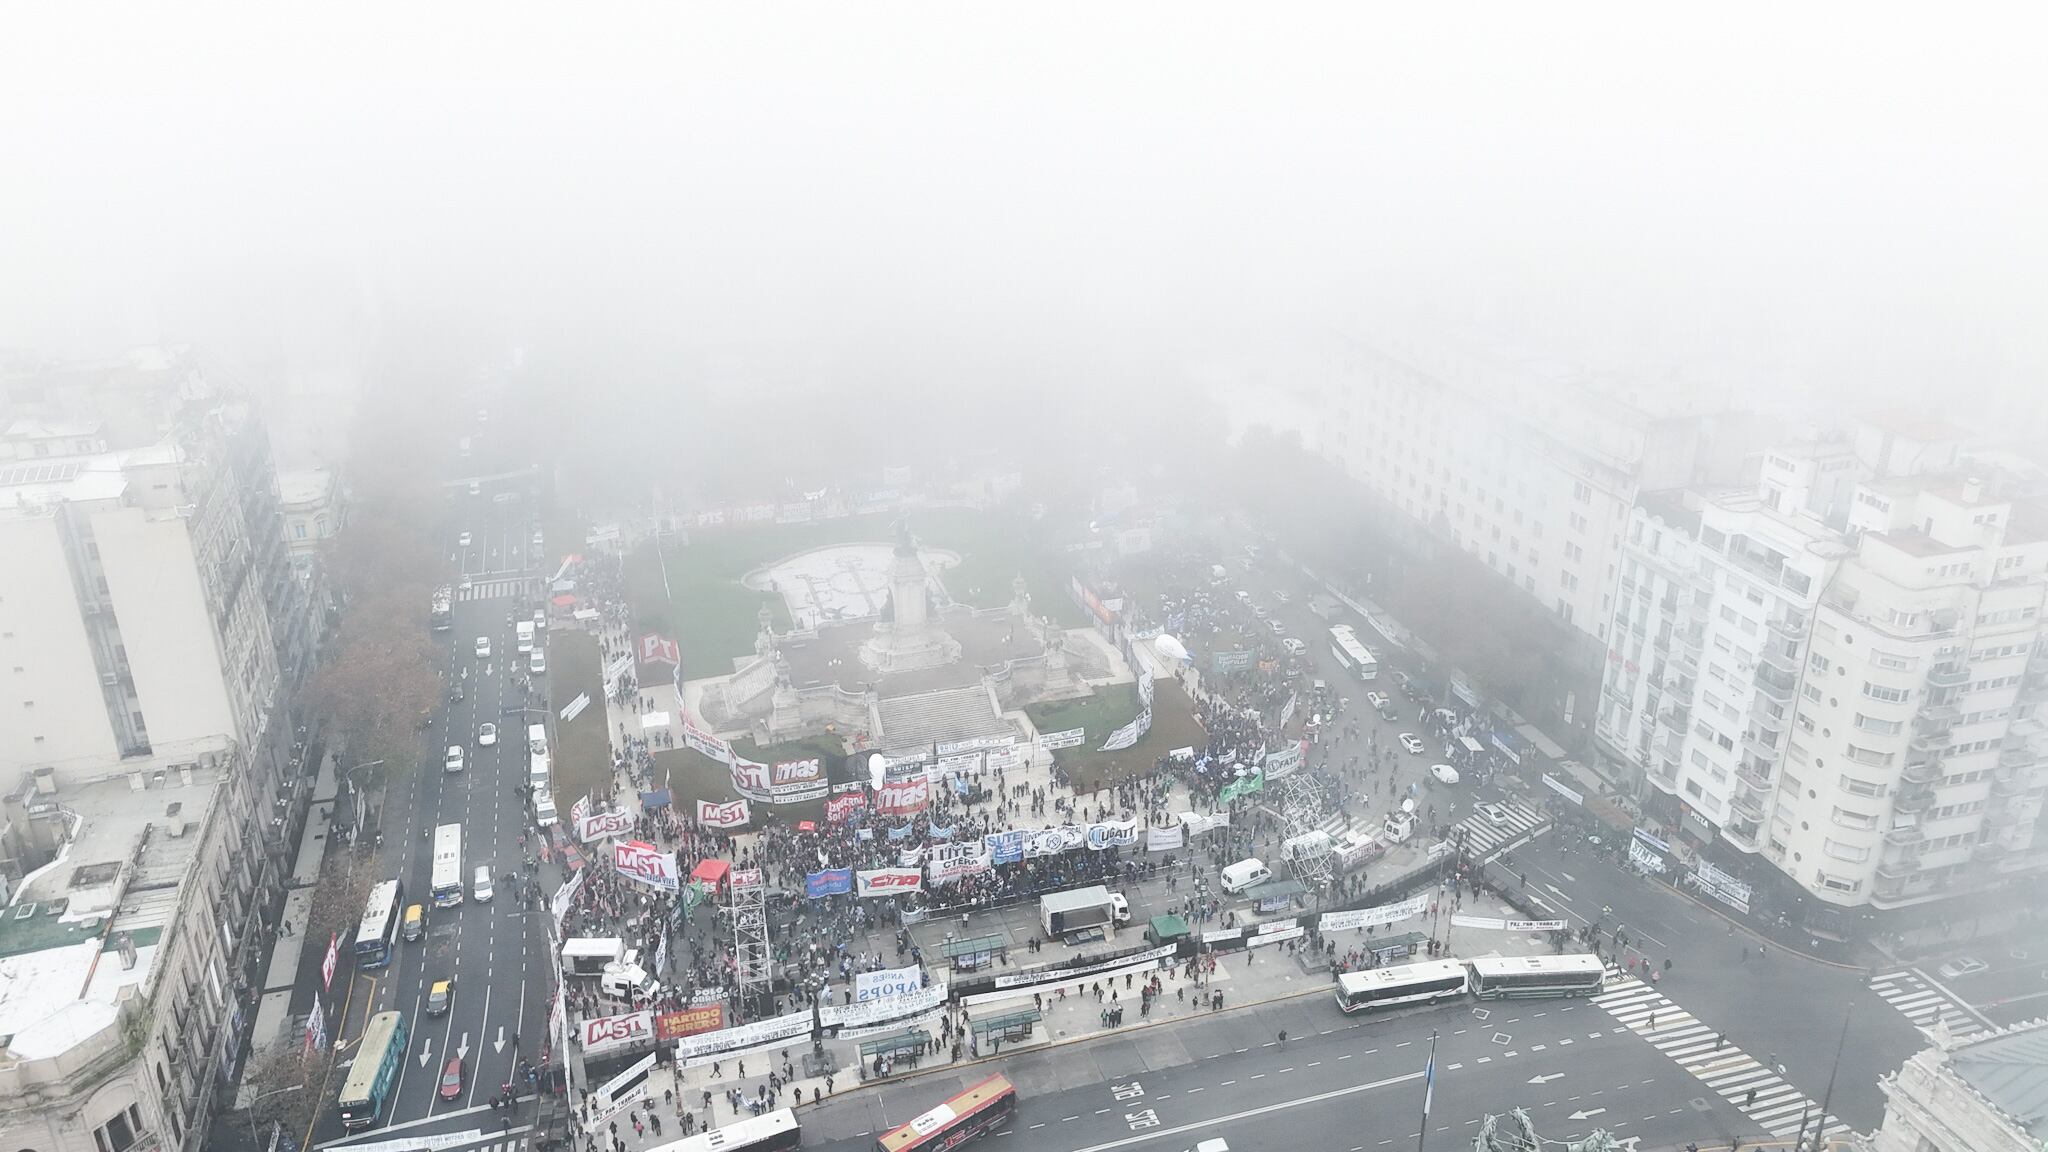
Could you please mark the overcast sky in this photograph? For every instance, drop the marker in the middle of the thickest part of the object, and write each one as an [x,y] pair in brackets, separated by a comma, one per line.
[1831,194]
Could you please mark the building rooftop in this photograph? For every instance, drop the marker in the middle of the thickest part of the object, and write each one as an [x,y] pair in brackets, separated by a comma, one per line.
[304,486]
[1671,506]
[2010,1071]
[1919,426]
[1914,542]
[113,884]
[33,429]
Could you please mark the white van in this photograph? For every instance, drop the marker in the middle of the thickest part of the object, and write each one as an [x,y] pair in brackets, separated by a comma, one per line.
[524,630]
[1245,873]
[537,739]
[544,809]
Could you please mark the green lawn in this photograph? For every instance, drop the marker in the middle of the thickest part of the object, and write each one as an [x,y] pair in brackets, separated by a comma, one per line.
[583,749]
[703,605]
[1110,708]
[693,776]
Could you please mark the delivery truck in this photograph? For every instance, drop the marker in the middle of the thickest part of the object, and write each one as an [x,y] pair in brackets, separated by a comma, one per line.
[588,956]
[1062,914]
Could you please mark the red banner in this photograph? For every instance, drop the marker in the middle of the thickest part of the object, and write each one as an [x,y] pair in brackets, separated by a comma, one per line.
[840,809]
[688,1022]
[659,650]
[904,797]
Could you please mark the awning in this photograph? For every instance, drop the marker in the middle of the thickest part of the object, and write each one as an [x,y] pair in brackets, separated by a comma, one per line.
[711,872]
[1167,928]
[563,601]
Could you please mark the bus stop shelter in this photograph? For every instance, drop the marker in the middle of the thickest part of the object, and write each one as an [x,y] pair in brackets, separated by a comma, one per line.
[975,952]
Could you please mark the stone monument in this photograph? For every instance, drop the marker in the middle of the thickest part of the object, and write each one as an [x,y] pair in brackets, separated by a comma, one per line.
[908,637]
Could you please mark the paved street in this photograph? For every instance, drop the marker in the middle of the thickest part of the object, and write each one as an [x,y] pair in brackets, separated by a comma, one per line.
[496,951]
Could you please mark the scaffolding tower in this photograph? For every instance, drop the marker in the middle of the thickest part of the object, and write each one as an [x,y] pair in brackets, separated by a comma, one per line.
[1304,804]
[753,961]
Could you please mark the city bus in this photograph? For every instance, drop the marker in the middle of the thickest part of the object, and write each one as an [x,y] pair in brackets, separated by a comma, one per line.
[374,1075]
[1431,980]
[377,935]
[1511,977]
[975,1112]
[447,865]
[1355,657]
[775,1131]
[444,601]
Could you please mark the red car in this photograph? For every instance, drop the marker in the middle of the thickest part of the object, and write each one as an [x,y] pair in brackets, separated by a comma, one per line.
[451,1079]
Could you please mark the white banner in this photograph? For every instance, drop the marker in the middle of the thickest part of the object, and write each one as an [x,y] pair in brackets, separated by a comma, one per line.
[1101,836]
[964,763]
[1063,972]
[745,1036]
[1283,762]
[886,983]
[888,881]
[871,1012]
[1496,924]
[640,861]
[750,779]
[565,897]
[731,814]
[949,862]
[606,1033]
[1196,824]
[1165,839]
[1054,741]
[603,824]
[701,741]
[1362,917]
[1003,759]
[977,744]
[579,810]
[1129,735]
[608,1094]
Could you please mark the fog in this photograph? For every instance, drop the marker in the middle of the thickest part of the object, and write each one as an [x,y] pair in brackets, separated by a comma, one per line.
[1040,200]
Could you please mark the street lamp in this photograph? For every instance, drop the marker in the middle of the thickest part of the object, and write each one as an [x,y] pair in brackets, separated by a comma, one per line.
[254,1139]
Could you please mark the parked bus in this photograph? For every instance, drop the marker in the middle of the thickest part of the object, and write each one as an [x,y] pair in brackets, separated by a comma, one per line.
[1495,977]
[1430,980]
[447,865]
[443,616]
[774,1131]
[975,1112]
[1356,658]
[377,935]
[374,1075]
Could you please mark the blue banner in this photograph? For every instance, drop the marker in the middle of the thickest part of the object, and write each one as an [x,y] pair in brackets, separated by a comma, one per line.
[1005,847]
[901,833]
[659,798]
[830,882]
[939,833]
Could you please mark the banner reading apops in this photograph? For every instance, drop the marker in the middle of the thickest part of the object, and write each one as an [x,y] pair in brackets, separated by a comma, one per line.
[602,824]
[889,881]
[830,882]
[731,814]
[904,797]
[640,861]
[890,982]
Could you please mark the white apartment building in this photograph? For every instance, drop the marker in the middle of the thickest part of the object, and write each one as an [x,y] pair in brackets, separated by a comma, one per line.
[1844,689]
[121,996]
[1987,1094]
[1528,470]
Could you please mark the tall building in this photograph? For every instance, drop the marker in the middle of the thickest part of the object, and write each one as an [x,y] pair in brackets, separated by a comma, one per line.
[1987,1094]
[152,632]
[1829,682]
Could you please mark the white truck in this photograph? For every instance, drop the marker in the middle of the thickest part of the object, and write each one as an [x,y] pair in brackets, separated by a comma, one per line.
[1079,909]
[544,813]
[626,980]
[524,631]
[589,956]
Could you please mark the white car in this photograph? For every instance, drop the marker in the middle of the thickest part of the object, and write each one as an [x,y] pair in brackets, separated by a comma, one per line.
[462,541]
[1444,773]
[453,762]
[483,647]
[1276,626]
[486,735]
[1410,743]
[1962,966]
[1294,647]
[537,662]
[1377,700]
[1494,813]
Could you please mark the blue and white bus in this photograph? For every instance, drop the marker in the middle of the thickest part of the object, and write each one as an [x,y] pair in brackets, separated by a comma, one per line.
[377,935]
[1356,658]
[374,1074]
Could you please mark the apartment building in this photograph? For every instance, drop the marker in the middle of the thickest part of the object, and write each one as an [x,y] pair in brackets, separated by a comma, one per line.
[1835,673]
[123,995]
[1528,469]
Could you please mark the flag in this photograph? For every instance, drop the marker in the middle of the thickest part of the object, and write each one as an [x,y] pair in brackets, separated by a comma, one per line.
[1429,1081]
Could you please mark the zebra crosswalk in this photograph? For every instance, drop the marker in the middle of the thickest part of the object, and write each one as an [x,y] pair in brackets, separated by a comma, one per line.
[1483,838]
[491,589]
[1737,1077]
[1926,1003]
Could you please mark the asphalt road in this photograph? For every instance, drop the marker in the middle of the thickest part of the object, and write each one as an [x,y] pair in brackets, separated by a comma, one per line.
[1341,1083]
[497,950]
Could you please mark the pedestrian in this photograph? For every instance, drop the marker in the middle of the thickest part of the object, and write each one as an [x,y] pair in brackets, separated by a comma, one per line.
[1720,1040]
[1653,1021]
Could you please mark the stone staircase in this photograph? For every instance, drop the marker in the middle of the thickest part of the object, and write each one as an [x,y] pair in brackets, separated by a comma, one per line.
[913,723]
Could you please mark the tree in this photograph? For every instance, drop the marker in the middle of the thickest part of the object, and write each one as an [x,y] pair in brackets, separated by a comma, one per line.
[284,1086]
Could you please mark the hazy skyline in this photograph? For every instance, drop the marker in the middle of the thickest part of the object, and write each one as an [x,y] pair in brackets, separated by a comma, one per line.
[1843,198]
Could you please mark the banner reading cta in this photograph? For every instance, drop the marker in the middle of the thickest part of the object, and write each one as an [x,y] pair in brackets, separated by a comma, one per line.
[889,881]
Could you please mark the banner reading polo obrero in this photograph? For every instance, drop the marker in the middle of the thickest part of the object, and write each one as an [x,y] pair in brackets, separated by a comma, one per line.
[904,797]
[641,861]
[731,814]
[601,824]
[889,881]
[659,650]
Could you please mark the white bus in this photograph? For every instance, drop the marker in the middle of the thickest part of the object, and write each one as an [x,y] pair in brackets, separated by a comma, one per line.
[441,617]
[1510,977]
[775,1131]
[1431,980]
[377,935]
[1356,658]
[447,865]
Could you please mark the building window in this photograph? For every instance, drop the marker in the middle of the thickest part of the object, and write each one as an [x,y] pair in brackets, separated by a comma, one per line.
[1854,853]
[1885,693]
[1878,725]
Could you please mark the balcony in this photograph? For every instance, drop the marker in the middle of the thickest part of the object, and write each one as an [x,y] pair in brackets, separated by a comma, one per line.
[1928,771]
[1744,834]
[1775,684]
[1790,627]
[2018,756]
[1937,717]
[1758,745]
[1677,717]
[1928,745]
[1913,799]
[1748,804]
[1898,867]
[2008,783]
[1755,777]
[1947,676]
[1904,836]
[1775,657]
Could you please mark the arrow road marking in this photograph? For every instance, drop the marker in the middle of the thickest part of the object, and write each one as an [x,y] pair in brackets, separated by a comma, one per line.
[1569,878]
[1586,1115]
[1546,1078]
[498,1045]
[462,1049]
[1560,893]
[426,1052]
